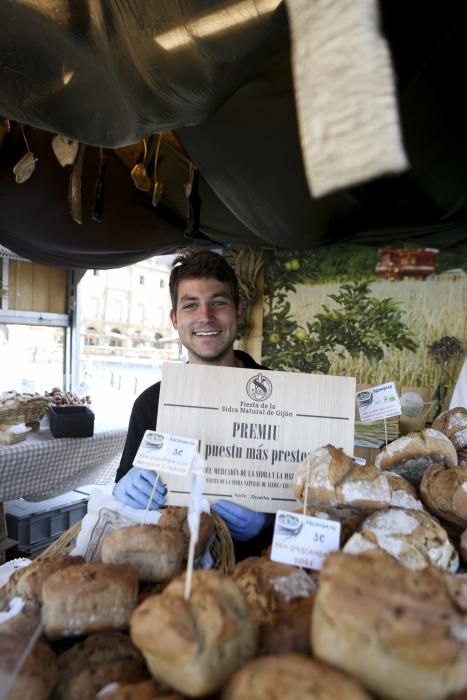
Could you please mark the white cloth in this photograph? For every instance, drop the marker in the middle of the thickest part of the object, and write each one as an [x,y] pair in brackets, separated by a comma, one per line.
[344,90]
[459,395]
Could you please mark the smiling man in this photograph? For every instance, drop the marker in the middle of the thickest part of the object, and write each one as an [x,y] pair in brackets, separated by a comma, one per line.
[205,312]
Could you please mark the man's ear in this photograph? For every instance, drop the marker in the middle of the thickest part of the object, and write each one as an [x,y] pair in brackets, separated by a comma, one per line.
[173,318]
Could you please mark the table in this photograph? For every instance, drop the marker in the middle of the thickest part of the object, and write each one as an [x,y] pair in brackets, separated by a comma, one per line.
[42,466]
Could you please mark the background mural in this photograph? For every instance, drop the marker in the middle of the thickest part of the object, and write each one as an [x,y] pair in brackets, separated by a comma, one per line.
[368,312]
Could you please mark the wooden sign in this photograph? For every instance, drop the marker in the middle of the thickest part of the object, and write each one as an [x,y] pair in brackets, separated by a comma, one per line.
[255,427]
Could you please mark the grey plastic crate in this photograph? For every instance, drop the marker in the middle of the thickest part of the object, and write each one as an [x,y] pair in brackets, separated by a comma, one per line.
[43,522]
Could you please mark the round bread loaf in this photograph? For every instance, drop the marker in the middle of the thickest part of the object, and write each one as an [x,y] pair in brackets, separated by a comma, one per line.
[156,553]
[291,677]
[27,581]
[290,628]
[453,424]
[194,645]
[111,651]
[444,492]
[38,675]
[413,537]
[411,455]
[399,632]
[403,493]
[88,598]
[334,479]
[177,518]
[254,577]
[280,598]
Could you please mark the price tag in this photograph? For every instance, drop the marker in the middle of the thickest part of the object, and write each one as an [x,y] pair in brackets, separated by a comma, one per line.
[378,402]
[302,540]
[166,453]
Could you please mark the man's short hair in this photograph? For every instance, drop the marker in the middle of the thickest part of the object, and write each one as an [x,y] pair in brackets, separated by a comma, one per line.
[201,264]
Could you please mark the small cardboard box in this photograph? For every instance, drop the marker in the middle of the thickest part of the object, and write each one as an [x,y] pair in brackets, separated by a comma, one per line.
[71,421]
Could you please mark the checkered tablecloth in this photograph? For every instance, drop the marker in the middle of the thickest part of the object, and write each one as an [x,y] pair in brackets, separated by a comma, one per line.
[43,466]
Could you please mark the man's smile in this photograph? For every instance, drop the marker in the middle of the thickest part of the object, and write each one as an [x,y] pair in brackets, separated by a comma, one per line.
[206,333]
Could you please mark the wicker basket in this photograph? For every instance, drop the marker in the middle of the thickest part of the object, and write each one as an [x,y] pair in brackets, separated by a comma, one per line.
[29,410]
[222,548]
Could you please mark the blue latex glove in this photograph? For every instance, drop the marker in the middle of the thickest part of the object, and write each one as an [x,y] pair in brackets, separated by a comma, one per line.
[243,523]
[135,487]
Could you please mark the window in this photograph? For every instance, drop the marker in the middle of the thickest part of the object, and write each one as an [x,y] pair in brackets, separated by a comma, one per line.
[33,356]
[120,360]
[91,337]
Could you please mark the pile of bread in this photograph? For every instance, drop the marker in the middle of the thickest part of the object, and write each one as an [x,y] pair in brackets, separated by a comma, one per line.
[385,618]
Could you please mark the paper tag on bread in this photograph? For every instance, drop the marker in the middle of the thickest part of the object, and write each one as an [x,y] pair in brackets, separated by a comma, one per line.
[166,453]
[303,540]
[378,402]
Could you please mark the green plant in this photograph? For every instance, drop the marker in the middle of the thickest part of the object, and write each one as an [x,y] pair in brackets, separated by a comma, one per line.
[358,324]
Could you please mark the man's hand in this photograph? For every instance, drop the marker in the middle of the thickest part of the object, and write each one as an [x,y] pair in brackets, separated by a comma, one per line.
[243,523]
[135,487]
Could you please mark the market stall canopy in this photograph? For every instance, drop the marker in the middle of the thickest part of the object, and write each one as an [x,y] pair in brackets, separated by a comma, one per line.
[216,79]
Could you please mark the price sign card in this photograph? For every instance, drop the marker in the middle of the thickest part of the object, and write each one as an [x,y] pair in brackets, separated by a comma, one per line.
[378,402]
[167,453]
[302,540]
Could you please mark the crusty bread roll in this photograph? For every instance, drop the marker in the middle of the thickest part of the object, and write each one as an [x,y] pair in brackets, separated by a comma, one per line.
[291,677]
[403,493]
[453,424]
[98,660]
[334,479]
[194,645]
[280,598]
[444,492]
[177,518]
[156,553]
[38,675]
[397,631]
[411,455]
[88,598]
[254,577]
[289,630]
[413,537]
[27,581]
